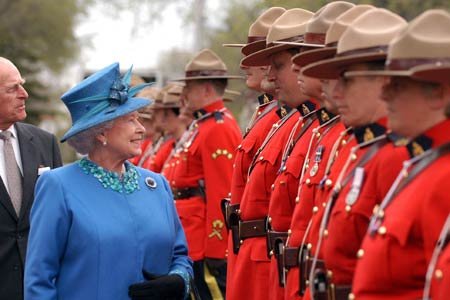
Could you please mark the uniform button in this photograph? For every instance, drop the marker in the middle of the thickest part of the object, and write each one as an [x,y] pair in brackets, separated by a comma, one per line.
[271,253]
[328,182]
[344,142]
[438,274]
[308,182]
[261,158]
[241,242]
[259,113]
[173,182]
[353,157]
[348,208]
[382,230]
[229,196]
[329,274]
[309,246]
[360,253]
[282,182]
[324,204]
[240,146]
[272,186]
[284,168]
[269,220]
[275,125]
[325,232]
[318,134]
[297,199]
[315,209]
[405,173]
[289,232]
[351,296]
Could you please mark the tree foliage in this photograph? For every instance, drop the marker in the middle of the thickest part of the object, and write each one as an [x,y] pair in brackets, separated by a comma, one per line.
[39,36]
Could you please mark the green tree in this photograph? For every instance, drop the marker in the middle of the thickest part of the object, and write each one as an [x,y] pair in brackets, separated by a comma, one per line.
[39,36]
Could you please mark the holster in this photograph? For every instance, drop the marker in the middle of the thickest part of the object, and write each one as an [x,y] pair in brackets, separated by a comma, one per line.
[303,257]
[227,210]
[234,220]
[271,238]
[278,250]
[321,287]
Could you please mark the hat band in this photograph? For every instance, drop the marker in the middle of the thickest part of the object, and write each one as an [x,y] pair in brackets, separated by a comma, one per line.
[331,44]
[296,39]
[367,51]
[205,73]
[252,39]
[315,38]
[406,64]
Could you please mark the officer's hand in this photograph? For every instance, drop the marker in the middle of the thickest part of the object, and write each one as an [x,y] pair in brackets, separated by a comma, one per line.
[170,287]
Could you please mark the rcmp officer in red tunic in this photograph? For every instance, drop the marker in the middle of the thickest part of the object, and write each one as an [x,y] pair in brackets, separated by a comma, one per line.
[285,185]
[327,141]
[337,229]
[251,268]
[200,170]
[263,118]
[166,114]
[405,228]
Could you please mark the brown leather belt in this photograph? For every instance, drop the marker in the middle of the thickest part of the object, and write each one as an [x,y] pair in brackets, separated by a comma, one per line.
[188,192]
[252,228]
[340,292]
[291,257]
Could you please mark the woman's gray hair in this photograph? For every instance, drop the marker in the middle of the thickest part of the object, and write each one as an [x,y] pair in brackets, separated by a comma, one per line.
[85,141]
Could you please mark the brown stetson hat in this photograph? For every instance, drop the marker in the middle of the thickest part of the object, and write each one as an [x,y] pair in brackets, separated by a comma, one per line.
[257,32]
[422,51]
[318,25]
[158,102]
[206,65]
[172,97]
[148,93]
[332,36]
[365,40]
[290,26]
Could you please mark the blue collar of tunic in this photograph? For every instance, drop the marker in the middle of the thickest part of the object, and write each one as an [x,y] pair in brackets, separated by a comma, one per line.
[128,183]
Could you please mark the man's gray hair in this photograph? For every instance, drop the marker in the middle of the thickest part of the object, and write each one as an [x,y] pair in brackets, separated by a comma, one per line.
[84,142]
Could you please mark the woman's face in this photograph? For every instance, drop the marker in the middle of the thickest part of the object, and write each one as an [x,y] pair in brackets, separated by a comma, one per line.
[124,138]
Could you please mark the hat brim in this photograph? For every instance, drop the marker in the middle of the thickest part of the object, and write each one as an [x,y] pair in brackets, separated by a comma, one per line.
[432,73]
[233,45]
[399,73]
[253,47]
[332,68]
[299,44]
[308,57]
[208,77]
[131,105]
[262,57]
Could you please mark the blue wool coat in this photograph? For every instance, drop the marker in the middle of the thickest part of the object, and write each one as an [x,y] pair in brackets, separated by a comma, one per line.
[91,242]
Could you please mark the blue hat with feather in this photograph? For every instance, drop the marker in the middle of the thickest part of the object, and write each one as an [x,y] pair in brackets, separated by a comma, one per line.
[101,97]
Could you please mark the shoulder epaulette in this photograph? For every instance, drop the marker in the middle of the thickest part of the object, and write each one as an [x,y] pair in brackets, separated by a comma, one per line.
[218,116]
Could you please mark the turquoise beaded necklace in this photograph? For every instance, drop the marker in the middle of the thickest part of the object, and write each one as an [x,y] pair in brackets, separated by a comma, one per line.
[127,184]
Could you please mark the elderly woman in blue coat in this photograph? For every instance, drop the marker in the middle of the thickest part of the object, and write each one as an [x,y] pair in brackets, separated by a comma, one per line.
[100,227]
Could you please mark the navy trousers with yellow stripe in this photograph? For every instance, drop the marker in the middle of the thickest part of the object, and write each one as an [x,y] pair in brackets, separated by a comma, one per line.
[210,278]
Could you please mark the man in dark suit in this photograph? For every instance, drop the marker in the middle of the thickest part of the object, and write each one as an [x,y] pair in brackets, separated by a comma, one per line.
[34,151]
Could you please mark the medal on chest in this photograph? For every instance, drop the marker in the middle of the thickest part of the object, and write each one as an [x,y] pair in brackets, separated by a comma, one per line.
[355,189]
[317,160]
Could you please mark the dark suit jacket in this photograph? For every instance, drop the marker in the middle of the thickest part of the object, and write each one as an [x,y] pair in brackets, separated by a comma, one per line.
[38,149]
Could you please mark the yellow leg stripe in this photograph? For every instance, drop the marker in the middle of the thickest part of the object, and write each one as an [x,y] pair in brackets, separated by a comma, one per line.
[212,284]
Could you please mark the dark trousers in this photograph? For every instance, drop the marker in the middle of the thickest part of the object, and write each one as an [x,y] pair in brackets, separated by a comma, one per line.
[210,278]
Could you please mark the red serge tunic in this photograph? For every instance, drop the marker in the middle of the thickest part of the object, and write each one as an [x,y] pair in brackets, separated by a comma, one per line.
[156,161]
[332,145]
[251,267]
[397,248]
[204,158]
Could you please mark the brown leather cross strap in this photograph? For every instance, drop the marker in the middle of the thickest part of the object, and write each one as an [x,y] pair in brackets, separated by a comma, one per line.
[252,228]
[188,192]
